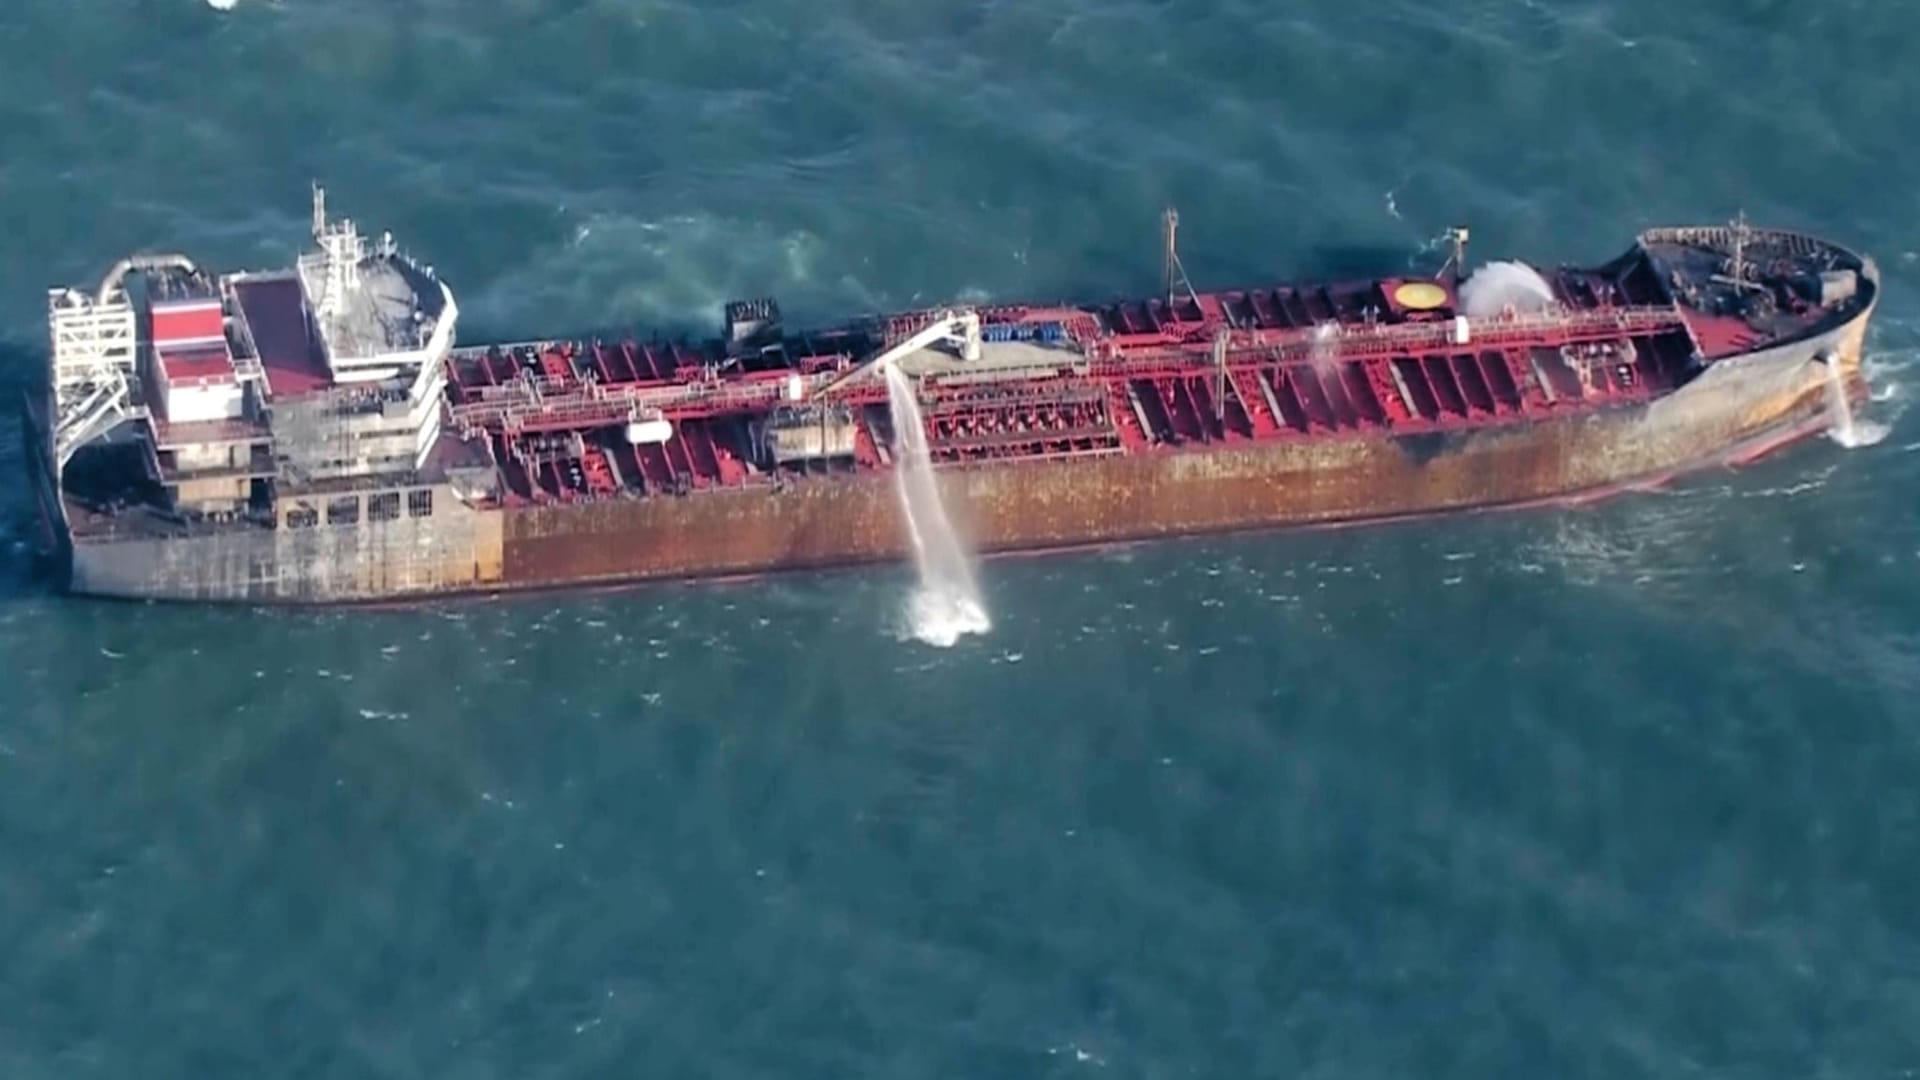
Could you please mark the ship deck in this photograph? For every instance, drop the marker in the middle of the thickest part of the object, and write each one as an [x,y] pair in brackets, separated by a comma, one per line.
[1301,362]
[275,313]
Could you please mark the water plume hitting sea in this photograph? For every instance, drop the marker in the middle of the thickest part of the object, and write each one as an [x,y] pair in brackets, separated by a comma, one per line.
[946,604]
[1848,430]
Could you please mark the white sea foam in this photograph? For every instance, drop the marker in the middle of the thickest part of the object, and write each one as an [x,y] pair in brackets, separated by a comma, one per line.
[1886,375]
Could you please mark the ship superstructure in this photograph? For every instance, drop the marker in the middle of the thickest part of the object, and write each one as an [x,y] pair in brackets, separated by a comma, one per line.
[185,403]
[315,434]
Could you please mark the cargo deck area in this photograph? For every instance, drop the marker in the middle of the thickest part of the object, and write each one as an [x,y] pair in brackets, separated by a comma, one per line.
[1312,362]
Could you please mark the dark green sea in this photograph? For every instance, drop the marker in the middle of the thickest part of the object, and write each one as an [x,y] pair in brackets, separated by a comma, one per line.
[1630,790]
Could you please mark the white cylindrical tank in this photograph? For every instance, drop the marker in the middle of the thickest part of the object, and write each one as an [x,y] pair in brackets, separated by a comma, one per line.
[642,432]
[795,388]
[1462,330]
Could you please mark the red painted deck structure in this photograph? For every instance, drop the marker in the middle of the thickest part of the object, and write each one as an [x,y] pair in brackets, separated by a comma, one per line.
[1303,362]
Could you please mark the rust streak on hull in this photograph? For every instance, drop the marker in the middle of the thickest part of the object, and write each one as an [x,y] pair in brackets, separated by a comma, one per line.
[1088,501]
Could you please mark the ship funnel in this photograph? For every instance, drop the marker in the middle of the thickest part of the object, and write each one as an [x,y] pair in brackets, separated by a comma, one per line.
[144,264]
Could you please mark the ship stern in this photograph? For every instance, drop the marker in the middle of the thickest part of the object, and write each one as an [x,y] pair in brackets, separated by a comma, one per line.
[1847,355]
[50,540]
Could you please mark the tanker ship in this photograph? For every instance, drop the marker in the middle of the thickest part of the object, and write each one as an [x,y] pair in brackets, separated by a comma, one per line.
[317,434]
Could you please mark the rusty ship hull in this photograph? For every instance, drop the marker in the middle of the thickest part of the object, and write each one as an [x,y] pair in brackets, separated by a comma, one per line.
[1145,428]
[1109,499]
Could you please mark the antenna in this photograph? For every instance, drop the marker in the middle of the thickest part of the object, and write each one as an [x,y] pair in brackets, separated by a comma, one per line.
[1169,234]
[1457,236]
[1739,249]
[1220,379]
[341,250]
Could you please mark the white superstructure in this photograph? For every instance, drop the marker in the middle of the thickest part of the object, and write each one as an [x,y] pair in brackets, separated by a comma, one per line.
[238,389]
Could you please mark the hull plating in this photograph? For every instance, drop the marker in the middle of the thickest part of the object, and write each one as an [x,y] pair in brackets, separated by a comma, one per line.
[1032,505]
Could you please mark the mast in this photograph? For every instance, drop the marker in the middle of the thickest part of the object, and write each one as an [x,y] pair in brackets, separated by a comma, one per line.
[1170,257]
[1457,236]
[1175,275]
[1220,379]
[1739,273]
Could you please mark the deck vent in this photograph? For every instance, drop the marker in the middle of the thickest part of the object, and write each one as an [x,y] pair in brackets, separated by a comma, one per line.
[752,322]
[1837,287]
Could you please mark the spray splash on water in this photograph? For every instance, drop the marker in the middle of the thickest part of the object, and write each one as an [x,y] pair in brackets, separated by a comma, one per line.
[1846,429]
[1500,285]
[946,605]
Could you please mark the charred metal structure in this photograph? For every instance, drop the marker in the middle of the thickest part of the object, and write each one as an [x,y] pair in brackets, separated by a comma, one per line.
[316,435]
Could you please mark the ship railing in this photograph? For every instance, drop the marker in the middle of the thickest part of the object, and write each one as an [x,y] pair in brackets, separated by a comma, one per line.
[247,367]
[1721,237]
[1427,336]
[1064,390]
[594,404]
[527,389]
[499,394]
[1344,342]
[168,435]
[537,402]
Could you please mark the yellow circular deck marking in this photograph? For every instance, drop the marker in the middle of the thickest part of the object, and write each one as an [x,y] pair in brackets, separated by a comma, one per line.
[1420,295]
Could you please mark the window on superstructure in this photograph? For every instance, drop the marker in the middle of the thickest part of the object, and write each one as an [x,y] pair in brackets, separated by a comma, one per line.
[344,510]
[420,503]
[384,506]
[302,516]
